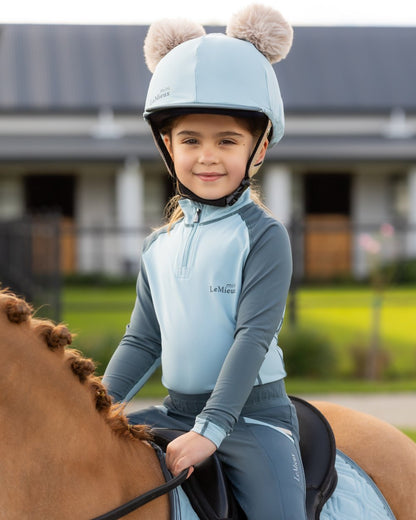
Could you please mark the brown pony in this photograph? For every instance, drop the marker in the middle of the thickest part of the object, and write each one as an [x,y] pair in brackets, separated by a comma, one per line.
[66,452]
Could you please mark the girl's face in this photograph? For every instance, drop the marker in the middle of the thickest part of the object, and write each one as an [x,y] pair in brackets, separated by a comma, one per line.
[210,153]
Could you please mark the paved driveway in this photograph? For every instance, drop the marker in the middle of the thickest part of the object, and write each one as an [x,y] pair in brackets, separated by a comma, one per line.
[398,409]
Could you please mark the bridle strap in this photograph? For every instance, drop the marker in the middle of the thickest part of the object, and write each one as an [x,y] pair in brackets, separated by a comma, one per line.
[141,500]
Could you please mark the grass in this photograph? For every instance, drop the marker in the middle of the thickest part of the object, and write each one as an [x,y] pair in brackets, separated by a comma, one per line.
[98,317]
[294,386]
[411,434]
[345,315]
[154,388]
[298,386]
[99,314]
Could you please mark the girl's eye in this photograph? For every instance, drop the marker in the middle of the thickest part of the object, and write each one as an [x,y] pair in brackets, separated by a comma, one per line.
[190,140]
[227,141]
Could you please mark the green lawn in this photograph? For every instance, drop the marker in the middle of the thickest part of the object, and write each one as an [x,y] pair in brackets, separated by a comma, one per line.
[345,316]
[411,434]
[98,315]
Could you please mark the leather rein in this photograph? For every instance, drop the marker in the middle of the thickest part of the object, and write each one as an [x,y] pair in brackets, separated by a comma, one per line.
[141,500]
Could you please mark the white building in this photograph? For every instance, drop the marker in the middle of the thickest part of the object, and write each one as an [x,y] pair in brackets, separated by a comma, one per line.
[72,141]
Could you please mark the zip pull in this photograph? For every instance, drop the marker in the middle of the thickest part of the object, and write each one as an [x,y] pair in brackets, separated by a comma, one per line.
[197,215]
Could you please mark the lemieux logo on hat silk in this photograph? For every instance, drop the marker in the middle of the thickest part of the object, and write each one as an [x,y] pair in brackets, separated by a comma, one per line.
[163,93]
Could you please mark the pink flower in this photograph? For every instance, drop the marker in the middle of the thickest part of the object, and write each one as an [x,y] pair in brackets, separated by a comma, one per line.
[387,230]
[369,244]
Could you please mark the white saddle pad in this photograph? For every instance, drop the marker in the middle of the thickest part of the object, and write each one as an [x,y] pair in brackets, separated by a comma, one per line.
[356,496]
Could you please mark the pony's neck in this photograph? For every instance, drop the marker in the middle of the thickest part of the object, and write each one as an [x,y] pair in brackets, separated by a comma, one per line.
[59,456]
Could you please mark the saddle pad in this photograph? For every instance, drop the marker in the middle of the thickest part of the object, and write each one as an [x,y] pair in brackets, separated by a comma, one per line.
[181,508]
[356,496]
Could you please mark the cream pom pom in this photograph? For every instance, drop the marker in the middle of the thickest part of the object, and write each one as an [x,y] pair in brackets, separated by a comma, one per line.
[265,28]
[165,35]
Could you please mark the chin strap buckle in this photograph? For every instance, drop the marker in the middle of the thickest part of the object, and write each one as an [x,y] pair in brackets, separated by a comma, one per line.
[232,199]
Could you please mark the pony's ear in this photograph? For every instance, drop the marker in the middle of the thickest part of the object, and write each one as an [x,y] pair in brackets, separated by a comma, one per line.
[265,28]
[165,35]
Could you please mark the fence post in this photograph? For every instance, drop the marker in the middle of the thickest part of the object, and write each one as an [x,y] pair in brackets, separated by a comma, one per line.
[295,232]
[30,261]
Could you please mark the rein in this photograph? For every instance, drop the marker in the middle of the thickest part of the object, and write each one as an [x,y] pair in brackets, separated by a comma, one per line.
[141,500]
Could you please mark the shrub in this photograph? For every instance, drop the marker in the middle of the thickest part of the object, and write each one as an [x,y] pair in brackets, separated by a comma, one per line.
[402,271]
[406,271]
[368,363]
[308,353]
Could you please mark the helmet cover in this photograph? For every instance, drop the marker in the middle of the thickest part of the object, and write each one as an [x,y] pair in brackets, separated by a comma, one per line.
[216,71]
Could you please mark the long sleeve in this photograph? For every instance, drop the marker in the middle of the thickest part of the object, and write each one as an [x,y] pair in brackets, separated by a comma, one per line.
[138,354]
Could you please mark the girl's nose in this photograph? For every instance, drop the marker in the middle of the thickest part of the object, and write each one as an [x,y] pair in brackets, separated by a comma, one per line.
[207,155]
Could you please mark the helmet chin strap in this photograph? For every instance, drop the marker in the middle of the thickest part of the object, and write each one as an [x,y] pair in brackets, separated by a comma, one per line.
[232,198]
[228,200]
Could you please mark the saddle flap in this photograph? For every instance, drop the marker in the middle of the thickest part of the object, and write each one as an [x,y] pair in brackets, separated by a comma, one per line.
[207,488]
[318,451]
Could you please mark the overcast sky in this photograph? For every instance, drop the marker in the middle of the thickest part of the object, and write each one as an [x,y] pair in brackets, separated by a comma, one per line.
[297,12]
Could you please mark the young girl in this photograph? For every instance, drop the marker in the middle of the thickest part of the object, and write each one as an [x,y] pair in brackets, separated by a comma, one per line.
[213,283]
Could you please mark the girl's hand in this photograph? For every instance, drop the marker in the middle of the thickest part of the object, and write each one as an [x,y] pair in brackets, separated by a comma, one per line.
[186,451]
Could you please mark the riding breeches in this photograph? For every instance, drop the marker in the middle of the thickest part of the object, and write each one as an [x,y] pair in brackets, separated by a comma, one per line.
[261,456]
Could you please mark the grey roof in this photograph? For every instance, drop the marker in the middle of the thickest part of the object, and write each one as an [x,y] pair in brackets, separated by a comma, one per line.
[58,68]
[71,68]
[342,69]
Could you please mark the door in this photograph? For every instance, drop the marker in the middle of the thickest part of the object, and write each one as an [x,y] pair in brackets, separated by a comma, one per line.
[327,225]
[47,195]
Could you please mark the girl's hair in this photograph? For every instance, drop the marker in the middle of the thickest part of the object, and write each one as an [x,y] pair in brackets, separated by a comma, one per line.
[255,125]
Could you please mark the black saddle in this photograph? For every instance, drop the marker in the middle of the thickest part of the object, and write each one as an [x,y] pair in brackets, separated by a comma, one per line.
[209,490]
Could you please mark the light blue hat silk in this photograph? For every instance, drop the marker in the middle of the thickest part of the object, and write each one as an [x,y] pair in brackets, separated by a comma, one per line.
[219,72]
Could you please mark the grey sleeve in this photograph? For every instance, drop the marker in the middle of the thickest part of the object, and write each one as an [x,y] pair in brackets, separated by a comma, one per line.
[138,354]
[266,281]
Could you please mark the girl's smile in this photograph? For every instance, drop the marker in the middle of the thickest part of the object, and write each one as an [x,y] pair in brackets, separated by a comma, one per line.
[210,153]
[209,177]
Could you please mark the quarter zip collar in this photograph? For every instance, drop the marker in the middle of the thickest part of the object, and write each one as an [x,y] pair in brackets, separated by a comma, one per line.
[196,212]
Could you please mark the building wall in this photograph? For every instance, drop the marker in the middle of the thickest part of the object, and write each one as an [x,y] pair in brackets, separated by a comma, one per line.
[11,195]
[379,194]
[94,218]
[129,197]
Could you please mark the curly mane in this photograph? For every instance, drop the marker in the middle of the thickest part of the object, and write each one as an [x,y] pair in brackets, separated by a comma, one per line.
[57,338]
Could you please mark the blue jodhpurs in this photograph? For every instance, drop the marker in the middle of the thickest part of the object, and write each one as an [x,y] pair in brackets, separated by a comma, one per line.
[261,456]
